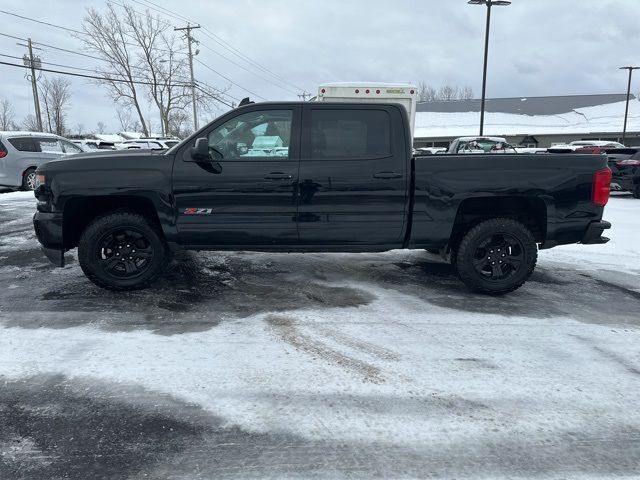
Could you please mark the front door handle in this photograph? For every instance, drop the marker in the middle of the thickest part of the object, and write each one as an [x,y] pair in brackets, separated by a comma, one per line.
[278,176]
[387,175]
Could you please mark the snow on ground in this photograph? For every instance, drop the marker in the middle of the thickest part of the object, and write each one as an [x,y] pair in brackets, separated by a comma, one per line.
[597,119]
[245,365]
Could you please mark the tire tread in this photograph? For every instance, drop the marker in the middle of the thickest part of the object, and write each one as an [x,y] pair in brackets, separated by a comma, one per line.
[100,222]
[466,244]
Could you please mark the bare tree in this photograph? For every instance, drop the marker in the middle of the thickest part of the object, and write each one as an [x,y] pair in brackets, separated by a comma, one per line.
[101,127]
[124,117]
[466,93]
[56,100]
[143,52]
[108,37]
[29,123]
[79,128]
[427,93]
[180,125]
[7,114]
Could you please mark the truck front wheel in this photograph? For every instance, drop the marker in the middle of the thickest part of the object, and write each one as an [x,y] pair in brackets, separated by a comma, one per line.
[122,251]
[496,256]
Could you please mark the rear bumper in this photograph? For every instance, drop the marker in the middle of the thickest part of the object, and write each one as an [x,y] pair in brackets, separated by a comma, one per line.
[48,228]
[593,235]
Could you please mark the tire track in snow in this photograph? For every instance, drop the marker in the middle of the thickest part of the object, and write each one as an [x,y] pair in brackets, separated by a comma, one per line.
[285,329]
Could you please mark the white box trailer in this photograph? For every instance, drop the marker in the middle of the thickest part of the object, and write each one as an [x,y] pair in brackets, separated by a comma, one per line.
[403,93]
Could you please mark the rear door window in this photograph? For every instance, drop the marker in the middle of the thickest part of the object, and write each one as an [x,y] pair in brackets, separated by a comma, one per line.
[24,144]
[50,145]
[70,148]
[341,134]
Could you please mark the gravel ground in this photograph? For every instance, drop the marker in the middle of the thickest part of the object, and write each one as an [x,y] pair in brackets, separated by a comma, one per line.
[253,365]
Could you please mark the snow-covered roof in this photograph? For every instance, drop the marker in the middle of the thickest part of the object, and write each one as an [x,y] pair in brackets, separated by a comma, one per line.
[9,133]
[607,118]
[108,137]
[130,135]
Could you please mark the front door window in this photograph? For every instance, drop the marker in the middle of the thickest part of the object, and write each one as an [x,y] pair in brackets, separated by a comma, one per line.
[253,136]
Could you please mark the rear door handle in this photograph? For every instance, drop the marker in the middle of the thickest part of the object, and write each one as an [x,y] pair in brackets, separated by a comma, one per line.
[387,175]
[278,176]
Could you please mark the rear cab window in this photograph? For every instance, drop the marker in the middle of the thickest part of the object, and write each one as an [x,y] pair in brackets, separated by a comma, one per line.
[357,134]
[24,144]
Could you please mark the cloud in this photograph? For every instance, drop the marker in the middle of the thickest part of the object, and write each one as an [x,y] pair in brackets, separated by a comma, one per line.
[538,47]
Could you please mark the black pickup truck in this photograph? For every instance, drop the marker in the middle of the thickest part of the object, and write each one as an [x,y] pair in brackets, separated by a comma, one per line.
[316,176]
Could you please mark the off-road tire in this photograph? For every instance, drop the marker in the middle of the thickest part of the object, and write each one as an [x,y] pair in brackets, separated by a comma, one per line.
[464,256]
[90,251]
[28,174]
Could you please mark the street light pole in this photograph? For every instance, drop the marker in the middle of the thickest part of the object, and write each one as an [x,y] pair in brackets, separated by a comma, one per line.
[626,109]
[489,4]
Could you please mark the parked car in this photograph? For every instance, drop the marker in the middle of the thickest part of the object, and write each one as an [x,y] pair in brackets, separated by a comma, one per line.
[625,166]
[343,179]
[480,145]
[597,147]
[22,152]
[430,150]
[149,144]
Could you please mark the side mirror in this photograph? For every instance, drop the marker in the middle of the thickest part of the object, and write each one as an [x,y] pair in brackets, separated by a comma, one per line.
[200,152]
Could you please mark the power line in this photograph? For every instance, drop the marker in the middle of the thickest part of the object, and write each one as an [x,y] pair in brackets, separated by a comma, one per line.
[216,95]
[94,77]
[219,41]
[43,23]
[179,80]
[229,80]
[134,45]
[14,37]
[246,69]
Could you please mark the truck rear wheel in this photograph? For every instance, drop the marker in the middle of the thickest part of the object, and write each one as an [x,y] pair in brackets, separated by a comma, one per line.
[122,251]
[496,256]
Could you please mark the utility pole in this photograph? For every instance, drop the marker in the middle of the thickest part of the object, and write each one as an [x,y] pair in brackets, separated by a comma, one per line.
[304,96]
[33,63]
[626,110]
[190,40]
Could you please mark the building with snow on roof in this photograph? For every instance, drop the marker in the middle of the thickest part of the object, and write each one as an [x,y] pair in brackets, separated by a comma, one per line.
[529,121]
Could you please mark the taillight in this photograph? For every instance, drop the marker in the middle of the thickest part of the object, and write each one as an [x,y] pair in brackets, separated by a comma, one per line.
[601,187]
[589,149]
[628,162]
[3,153]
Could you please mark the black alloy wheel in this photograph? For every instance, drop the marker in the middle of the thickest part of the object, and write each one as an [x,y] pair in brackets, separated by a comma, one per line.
[122,250]
[499,256]
[124,253]
[496,256]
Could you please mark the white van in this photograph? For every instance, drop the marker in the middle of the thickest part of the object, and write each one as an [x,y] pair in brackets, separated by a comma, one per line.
[402,93]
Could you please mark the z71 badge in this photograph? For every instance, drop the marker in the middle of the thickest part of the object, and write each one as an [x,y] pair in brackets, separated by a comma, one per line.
[197,211]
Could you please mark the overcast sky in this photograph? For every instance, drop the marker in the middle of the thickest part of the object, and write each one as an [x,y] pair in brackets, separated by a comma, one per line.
[538,47]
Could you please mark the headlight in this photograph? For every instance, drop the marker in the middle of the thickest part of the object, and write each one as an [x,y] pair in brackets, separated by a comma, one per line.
[40,178]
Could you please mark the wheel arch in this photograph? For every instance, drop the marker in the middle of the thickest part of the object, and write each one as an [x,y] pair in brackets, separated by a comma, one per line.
[80,211]
[530,211]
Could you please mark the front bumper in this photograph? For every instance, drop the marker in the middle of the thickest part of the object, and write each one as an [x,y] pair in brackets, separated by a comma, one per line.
[593,235]
[48,228]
